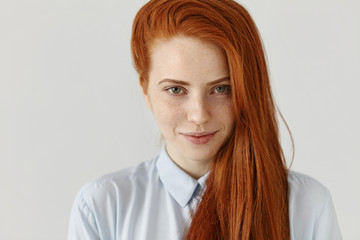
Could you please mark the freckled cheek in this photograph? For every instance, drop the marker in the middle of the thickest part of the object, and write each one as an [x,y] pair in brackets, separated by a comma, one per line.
[221,104]
[223,111]
[168,115]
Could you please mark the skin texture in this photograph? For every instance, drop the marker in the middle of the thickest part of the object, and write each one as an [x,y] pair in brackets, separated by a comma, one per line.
[194,115]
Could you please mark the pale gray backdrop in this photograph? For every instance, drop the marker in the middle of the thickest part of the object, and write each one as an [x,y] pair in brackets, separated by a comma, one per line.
[71,109]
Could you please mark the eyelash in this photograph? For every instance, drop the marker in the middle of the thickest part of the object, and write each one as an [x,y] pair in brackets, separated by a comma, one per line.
[183,91]
[226,91]
[170,90]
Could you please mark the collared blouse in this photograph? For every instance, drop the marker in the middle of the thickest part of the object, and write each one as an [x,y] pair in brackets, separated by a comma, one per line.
[156,200]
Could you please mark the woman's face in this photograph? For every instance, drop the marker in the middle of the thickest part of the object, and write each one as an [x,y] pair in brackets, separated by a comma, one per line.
[189,94]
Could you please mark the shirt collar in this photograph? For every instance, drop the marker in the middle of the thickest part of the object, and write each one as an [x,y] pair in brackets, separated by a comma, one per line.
[178,183]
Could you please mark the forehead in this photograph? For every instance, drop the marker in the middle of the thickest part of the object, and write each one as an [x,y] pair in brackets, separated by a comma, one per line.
[187,59]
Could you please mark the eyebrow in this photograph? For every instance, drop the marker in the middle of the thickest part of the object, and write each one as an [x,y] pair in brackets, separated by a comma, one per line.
[184,83]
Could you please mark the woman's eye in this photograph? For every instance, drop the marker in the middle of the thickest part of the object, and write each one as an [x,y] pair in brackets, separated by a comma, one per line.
[222,89]
[175,90]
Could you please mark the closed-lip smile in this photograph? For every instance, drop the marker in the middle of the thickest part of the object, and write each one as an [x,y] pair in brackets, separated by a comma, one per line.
[199,137]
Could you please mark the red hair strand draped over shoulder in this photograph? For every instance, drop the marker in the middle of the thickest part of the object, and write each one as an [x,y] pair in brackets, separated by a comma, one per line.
[247,190]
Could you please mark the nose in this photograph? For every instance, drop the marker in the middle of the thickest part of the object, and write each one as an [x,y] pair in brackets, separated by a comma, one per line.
[198,110]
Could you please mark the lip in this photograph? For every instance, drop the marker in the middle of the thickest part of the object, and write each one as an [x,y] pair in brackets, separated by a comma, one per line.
[199,137]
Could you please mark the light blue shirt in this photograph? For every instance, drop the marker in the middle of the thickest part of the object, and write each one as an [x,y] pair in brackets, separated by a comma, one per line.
[156,200]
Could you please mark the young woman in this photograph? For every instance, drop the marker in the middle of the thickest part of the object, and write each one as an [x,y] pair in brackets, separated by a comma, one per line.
[221,173]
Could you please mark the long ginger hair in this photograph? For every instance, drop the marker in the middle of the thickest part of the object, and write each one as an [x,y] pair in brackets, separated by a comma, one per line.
[246,194]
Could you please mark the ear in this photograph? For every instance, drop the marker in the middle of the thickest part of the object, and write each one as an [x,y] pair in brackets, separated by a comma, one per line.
[144,90]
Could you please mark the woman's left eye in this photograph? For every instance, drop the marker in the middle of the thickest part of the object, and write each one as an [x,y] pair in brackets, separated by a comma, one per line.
[222,89]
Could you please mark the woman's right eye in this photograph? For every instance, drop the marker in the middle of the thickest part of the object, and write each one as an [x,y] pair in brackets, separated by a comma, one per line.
[175,90]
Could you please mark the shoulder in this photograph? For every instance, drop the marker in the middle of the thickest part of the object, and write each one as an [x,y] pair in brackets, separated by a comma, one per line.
[306,193]
[102,204]
[300,184]
[118,184]
[311,210]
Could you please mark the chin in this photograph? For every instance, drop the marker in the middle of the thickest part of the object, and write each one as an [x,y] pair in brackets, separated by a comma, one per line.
[202,153]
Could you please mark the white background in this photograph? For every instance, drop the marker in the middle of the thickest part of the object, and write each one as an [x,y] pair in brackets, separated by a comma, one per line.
[71,109]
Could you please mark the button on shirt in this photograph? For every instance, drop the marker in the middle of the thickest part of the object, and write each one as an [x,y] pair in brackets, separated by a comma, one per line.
[156,200]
